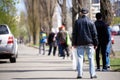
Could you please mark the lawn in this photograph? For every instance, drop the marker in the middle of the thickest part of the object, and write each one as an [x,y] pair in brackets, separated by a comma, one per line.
[115,62]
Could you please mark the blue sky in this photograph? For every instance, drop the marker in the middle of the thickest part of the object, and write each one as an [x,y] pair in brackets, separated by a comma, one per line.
[20,7]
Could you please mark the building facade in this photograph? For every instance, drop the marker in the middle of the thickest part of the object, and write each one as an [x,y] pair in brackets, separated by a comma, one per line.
[95,1]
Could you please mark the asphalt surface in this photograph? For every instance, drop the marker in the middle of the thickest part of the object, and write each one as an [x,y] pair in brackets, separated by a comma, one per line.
[31,65]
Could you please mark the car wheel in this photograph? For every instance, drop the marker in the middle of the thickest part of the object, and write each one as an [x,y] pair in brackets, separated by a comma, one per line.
[12,60]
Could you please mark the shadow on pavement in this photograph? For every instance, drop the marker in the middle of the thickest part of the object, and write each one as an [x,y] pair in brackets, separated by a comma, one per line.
[1,62]
[46,78]
[51,78]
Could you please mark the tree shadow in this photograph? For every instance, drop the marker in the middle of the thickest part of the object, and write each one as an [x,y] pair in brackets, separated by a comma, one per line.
[48,78]
[51,78]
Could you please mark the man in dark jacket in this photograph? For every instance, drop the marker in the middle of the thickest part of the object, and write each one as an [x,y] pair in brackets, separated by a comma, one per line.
[103,38]
[84,37]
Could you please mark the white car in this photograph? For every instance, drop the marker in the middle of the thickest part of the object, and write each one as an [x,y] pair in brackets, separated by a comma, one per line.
[8,44]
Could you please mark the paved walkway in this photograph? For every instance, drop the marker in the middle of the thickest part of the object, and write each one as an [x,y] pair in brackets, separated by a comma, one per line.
[31,65]
[57,68]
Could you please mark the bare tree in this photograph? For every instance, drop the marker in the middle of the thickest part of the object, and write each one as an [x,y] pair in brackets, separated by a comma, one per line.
[40,13]
[62,4]
[46,11]
[106,10]
[77,5]
[28,8]
[74,11]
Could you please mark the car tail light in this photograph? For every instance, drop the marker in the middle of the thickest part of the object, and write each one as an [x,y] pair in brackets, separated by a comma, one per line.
[10,40]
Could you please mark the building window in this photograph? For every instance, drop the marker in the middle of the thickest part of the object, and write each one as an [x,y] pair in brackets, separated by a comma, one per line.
[95,1]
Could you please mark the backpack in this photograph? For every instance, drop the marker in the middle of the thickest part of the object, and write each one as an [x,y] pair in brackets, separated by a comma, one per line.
[62,37]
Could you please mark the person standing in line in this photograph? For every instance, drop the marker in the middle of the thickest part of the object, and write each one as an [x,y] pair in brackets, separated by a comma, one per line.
[84,38]
[103,38]
[52,43]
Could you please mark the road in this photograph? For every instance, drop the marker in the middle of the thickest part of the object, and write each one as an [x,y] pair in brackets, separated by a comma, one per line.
[33,66]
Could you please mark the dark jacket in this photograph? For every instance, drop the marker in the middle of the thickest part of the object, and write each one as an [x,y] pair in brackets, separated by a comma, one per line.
[50,37]
[102,31]
[84,32]
[61,36]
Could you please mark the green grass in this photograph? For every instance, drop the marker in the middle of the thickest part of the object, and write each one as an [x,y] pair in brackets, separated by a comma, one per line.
[114,61]
[115,64]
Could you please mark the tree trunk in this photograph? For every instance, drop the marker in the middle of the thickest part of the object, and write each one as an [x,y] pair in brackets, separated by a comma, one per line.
[106,11]
[77,5]
[33,21]
[74,11]
[64,12]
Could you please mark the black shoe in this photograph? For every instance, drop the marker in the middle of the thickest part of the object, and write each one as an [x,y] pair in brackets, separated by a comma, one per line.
[79,77]
[93,77]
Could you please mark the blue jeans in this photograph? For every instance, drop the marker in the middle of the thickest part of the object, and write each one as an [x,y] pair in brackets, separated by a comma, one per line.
[42,47]
[108,51]
[80,54]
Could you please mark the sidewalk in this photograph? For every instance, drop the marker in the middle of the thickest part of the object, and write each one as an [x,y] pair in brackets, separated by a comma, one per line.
[56,68]
[62,69]
[31,65]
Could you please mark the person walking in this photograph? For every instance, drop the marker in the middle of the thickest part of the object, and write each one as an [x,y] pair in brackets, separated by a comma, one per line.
[62,37]
[84,38]
[108,49]
[43,41]
[103,38]
[52,42]
[60,53]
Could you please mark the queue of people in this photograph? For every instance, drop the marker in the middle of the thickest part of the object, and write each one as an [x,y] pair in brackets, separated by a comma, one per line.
[87,36]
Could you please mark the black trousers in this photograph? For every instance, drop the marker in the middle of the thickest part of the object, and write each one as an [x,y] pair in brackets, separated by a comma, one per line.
[50,49]
[64,50]
[101,50]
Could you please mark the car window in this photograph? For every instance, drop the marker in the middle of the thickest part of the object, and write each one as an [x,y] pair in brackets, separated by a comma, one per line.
[3,29]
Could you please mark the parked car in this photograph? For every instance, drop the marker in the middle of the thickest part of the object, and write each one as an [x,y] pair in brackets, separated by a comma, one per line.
[115,30]
[8,44]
